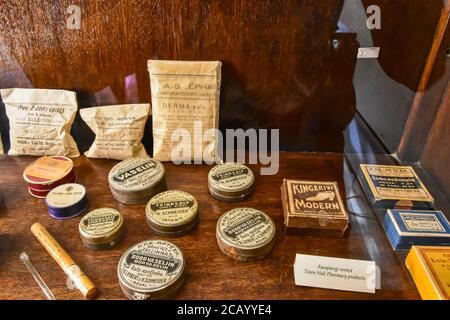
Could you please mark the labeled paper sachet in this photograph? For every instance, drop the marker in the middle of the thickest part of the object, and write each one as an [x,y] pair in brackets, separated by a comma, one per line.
[118,130]
[185,101]
[40,121]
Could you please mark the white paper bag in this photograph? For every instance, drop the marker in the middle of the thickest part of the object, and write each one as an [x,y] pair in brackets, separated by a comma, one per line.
[184,92]
[118,130]
[40,121]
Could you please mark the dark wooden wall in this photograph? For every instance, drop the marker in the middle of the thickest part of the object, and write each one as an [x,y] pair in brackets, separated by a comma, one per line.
[435,157]
[386,87]
[428,99]
[404,95]
[424,133]
[430,132]
[280,69]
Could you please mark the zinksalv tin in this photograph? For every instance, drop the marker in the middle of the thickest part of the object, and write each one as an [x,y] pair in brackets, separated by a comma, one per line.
[137,180]
[67,201]
[231,182]
[151,270]
[101,228]
[245,234]
[172,213]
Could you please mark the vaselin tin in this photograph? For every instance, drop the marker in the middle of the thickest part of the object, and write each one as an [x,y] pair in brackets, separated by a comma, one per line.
[137,180]
[172,213]
[231,182]
[151,270]
[101,228]
[245,234]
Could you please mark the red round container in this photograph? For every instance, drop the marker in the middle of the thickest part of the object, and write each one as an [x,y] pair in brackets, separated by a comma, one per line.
[46,173]
[43,187]
[38,194]
[42,194]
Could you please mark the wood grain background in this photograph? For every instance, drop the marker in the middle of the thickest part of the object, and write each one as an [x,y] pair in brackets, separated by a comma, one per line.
[284,66]
[280,69]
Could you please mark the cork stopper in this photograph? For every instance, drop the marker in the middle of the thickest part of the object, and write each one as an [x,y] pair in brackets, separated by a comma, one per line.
[85,286]
[54,249]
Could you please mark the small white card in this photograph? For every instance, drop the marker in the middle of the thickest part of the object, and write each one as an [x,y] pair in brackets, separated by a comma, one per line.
[336,273]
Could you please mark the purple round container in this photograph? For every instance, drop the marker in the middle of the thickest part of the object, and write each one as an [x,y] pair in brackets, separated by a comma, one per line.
[67,201]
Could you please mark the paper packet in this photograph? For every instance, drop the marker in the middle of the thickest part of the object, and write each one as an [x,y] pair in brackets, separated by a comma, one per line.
[40,121]
[184,92]
[118,130]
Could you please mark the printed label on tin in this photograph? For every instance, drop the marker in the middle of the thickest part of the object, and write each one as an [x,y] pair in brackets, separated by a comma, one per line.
[66,195]
[395,182]
[100,221]
[49,168]
[172,208]
[421,222]
[151,265]
[136,174]
[231,177]
[246,228]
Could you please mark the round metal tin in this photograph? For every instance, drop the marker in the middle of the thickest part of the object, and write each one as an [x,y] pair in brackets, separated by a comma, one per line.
[67,201]
[101,228]
[245,234]
[231,182]
[38,194]
[70,178]
[137,180]
[42,193]
[151,270]
[172,213]
[48,172]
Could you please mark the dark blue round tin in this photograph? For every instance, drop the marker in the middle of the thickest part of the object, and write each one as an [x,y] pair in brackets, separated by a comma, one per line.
[67,201]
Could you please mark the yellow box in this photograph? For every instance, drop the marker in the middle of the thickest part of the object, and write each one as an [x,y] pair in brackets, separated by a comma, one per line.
[430,269]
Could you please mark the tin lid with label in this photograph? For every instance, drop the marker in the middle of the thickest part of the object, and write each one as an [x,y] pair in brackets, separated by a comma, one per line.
[245,233]
[152,269]
[65,195]
[230,178]
[171,208]
[65,201]
[101,225]
[47,170]
[136,174]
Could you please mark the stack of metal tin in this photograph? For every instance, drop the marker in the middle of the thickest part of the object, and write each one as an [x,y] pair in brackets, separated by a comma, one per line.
[137,180]
[47,173]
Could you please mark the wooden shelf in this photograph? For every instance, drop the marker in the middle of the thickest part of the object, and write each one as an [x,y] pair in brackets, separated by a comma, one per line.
[210,274]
